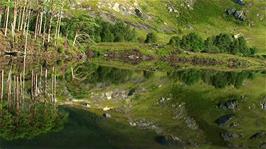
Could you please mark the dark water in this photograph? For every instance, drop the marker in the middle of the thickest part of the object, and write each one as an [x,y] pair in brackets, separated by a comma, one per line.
[90,105]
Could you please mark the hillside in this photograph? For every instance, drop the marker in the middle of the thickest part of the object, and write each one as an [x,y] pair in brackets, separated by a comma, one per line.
[170,17]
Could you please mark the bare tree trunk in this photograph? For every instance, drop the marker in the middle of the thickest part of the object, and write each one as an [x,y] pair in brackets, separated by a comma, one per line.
[59,24]
[44,30]
[27,30]
[56,28]
[9,83]
[52,87]
[15,16]
[41,22]
[0,20]
[14,20]
[75,39]
[72,73]
[7,18]
[36,85]
[50,28]
[19,18]
[23,16]
[14,92]
[45,83]
[55,84]
[21,89]
[17,94]
[32,85]
[36,26]
[2,85]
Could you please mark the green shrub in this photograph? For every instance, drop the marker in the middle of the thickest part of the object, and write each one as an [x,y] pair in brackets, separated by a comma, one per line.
[175,41]
[151,38]
[192,42]
[60,49]
[223,41]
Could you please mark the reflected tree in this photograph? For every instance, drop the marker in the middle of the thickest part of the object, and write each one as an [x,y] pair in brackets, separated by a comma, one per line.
[25,114]
[216,79]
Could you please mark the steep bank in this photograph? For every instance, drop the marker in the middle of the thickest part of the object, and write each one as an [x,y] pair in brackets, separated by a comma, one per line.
[60,48]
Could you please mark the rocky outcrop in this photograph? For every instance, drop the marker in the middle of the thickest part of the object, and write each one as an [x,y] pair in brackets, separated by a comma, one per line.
[258,135]
[229,136]
[230,104]
[224,119]
[123,7]
[263,103]
[237,14]
[240,2]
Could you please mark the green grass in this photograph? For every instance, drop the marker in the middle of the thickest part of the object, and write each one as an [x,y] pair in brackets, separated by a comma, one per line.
[157,53]
[206,18]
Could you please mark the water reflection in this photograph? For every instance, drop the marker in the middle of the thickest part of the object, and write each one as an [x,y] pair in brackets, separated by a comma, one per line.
[28,104]
[214,78]
[91,73]
[175,113]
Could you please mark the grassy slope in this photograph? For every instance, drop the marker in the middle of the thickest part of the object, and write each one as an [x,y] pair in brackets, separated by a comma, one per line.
[206,18]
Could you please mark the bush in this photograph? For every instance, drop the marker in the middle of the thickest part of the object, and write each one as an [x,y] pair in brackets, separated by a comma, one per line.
[97,29]
[106,33]
[60,49]
[223,41]
[252,51]
[209,46]
[123,32]
[175,41]
[192,42]
[151,38]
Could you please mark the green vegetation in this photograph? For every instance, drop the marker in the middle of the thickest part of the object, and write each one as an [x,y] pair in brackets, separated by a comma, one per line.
[222,43]
[83,28]
[132,74]
[151,38]
[192,42]
[216,79]
[28,124]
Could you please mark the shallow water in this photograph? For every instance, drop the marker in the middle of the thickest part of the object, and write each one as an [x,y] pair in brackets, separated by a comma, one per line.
[110,107]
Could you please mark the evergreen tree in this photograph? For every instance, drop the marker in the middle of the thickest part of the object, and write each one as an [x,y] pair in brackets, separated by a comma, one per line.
[223,41]
[175,41]
[151,38]
[192,42]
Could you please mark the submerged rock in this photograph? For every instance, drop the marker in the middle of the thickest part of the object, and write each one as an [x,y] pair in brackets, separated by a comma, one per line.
[224,119]
[168,140]
[131,92]
[191,123]
[258,135]
[229,136]
[263,145]
[138,13]
[107,115]
[240,2]
[263,103]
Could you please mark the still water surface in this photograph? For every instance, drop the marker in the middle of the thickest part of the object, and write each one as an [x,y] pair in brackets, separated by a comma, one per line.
[87,105]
